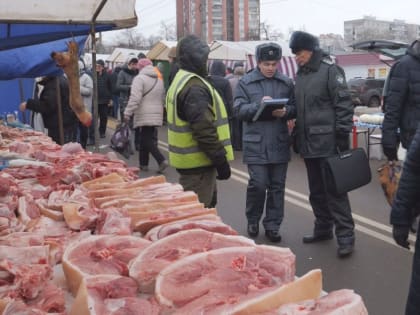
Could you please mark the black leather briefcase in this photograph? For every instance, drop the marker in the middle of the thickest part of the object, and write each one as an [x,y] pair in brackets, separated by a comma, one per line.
[348,170]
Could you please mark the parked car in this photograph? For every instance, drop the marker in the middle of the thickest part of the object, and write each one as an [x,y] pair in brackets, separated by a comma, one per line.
[392,49]
[366,91]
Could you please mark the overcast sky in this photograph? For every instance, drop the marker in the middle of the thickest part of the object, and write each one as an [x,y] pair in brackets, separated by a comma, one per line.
[314,16]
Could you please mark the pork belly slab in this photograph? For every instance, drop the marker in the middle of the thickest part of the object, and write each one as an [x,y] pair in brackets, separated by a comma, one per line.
[223,277]
[100,254]
[147,265]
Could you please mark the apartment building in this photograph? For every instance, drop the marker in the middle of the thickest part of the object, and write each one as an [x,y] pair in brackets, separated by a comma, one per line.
[370,28]
[233,20]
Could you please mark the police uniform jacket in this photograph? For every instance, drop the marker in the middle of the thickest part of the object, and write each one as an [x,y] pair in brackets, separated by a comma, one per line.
[267,141]
[324,106]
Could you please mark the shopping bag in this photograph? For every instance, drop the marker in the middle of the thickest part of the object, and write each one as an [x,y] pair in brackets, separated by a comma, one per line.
[389,177]
[120,140]
[348,170]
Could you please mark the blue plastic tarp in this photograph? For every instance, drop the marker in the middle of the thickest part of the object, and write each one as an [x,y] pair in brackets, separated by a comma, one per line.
[35,60]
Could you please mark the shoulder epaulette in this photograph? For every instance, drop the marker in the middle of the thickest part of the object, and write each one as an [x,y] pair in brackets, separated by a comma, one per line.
[328,61]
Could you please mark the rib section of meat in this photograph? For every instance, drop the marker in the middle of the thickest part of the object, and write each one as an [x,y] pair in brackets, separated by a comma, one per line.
[100,254]
[218,279]
[153,259]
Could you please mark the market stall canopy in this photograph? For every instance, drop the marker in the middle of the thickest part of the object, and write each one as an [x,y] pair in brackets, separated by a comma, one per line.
[244,51]
[160,50]
[31,29]
[29,22]
[122,55]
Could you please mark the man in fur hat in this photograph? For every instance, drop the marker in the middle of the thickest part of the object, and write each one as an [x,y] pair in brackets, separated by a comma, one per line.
[265,142]
[323,123]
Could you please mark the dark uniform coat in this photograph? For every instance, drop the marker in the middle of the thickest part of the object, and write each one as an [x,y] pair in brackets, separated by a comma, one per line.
[264,142]
[324,106]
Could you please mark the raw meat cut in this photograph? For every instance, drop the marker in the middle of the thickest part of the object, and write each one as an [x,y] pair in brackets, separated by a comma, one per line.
[147,265]
[177,213]
[223,277]
[205,223]
[111,295]
[309,286]
[100,254]
[339,302]
[114,221]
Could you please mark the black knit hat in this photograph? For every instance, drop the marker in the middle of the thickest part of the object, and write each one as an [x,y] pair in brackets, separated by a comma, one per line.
[268,52]
[303,41]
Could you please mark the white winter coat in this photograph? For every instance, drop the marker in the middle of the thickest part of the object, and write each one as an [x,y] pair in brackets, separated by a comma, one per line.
[86,90]
[147,109]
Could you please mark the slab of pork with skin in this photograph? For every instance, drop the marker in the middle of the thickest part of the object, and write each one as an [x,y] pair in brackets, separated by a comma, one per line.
[69,62]
[153,259]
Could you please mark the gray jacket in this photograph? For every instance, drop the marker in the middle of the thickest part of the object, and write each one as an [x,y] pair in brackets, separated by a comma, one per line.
[146,99]
[267,141]
[124,80]
[324,106]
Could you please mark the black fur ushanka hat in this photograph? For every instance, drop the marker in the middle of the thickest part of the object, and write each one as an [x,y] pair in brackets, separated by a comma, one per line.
[303,41]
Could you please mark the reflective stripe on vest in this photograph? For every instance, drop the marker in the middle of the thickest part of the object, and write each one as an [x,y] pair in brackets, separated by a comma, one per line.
[183,149]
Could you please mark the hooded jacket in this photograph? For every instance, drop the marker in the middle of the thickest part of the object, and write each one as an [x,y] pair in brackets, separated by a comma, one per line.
[194,102]
[221,84]
[146,99]
[124,80]
[402,104]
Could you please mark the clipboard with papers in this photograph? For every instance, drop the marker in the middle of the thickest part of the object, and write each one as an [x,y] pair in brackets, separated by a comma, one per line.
[267,107]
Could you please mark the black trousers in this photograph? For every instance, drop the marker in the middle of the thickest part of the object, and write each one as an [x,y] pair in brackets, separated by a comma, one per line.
[148,144]
[103,118]
[69,133]
[265,189]
[329,209]
[83,134]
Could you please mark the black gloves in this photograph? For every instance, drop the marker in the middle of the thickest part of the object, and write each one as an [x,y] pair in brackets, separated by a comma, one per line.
[223,171]
[342,141]
[400,234]
[390,153]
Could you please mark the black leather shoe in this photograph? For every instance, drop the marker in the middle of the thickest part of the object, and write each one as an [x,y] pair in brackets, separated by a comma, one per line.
[317,238]
[253,229]
[273,236]
[345,250]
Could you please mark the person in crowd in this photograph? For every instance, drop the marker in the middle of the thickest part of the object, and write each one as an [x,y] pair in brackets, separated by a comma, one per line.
[402,215]
[235,123]
[229,73]
[198,130]
[86,90]
[47,106]
[265,142]
[124,80]
[173,64]
[146,106]
[222,86]
[115,92]
[402,105]
[104,88]
[323,123]
[141,56]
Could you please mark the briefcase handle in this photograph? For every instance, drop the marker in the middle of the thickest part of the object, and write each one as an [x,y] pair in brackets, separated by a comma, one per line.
[344,154]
